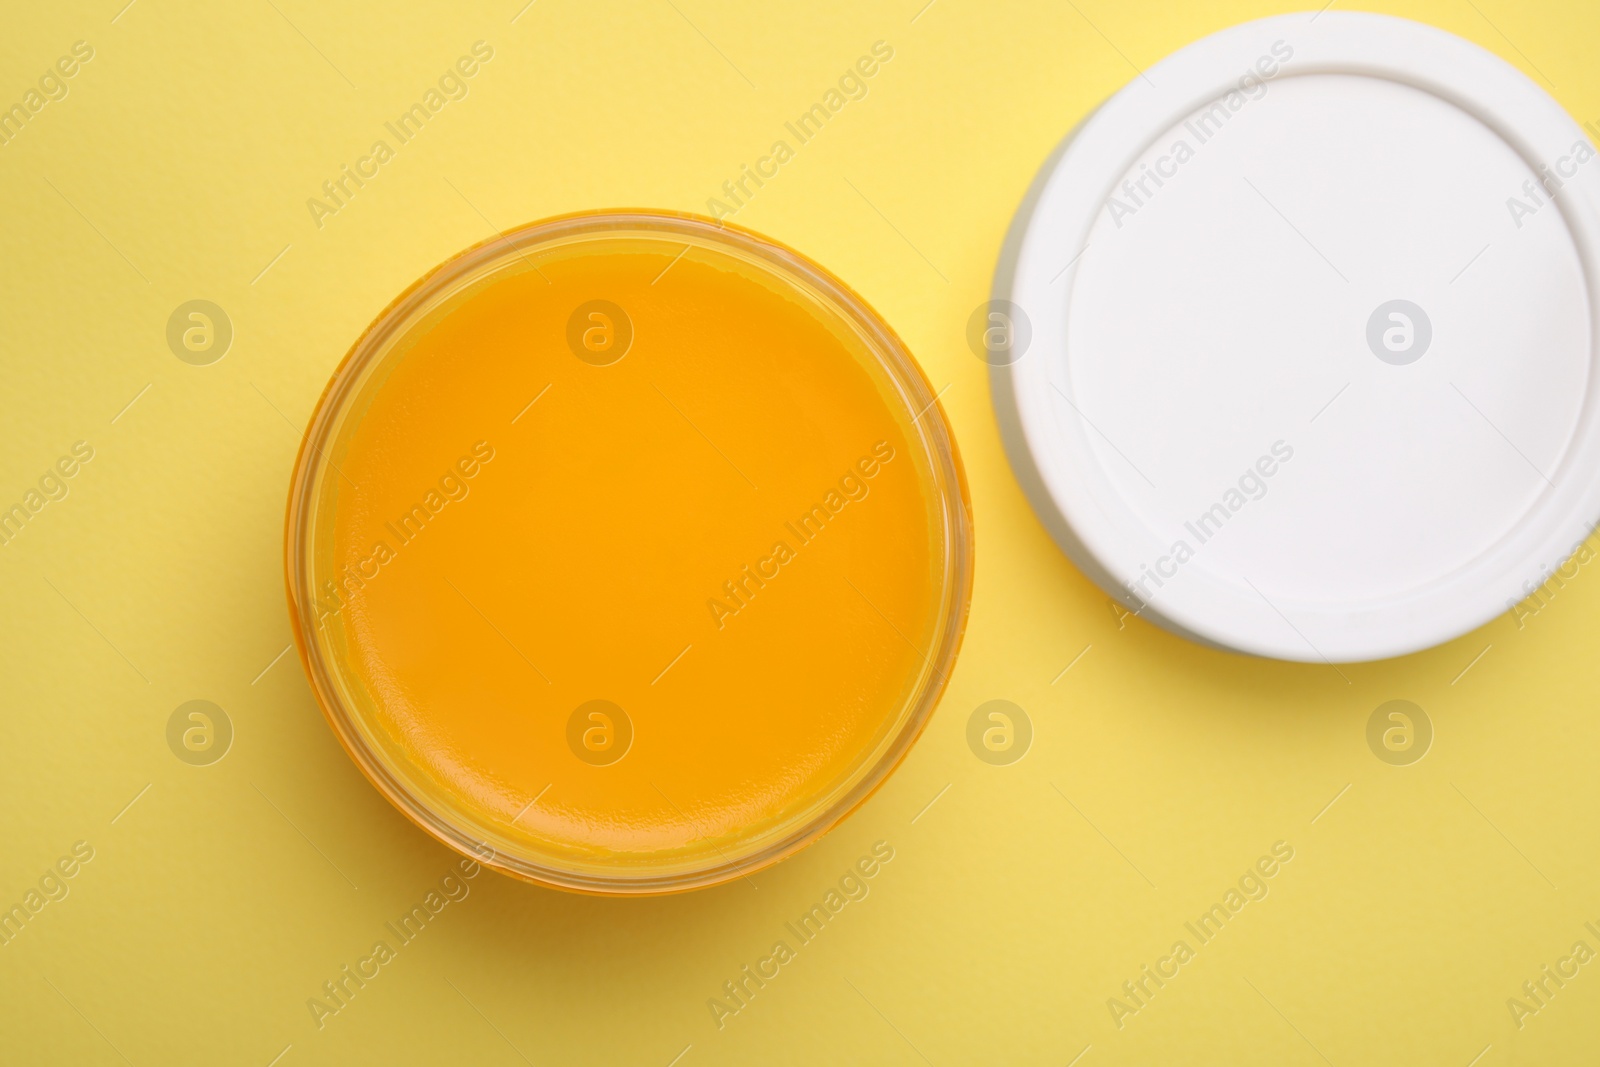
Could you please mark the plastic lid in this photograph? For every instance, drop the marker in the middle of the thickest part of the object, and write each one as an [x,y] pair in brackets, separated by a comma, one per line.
[1301,326]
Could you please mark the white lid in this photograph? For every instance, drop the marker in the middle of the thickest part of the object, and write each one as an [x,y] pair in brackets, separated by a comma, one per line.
[1309,373]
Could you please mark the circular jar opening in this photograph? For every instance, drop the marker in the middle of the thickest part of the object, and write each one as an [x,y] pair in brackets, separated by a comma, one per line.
[628,552]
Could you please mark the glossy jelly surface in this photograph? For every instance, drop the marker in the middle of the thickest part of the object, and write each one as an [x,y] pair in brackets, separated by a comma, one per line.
[628,552]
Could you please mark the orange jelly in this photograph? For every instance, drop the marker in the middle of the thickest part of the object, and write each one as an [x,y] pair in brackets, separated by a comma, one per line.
[628,552]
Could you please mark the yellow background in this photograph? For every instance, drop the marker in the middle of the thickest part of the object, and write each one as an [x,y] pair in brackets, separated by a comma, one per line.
[178,168]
